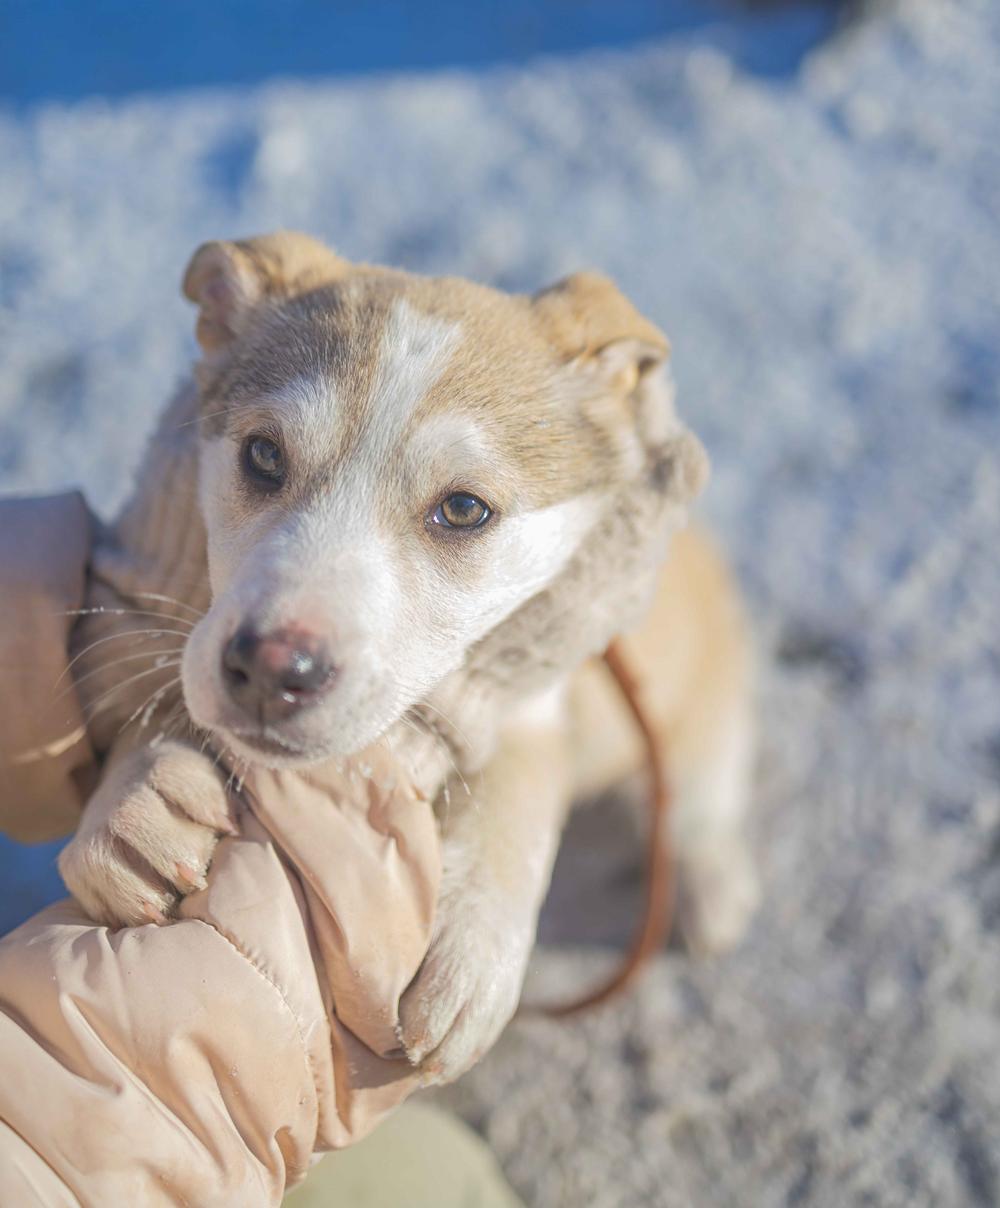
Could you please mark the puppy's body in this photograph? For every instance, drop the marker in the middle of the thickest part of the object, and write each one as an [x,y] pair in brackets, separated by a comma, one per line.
[424,504]
[694,657]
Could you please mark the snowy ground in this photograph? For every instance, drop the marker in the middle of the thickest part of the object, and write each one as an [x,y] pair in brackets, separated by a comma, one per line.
[824,250]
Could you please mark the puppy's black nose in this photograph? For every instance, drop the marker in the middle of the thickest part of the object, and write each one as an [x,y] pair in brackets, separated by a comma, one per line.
[273,675]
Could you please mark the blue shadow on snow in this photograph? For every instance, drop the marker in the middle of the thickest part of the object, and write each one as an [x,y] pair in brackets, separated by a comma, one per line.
[64,50]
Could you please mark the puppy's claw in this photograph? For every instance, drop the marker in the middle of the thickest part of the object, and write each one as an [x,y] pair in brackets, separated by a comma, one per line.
[154,915]
[188,878]
[413,1048]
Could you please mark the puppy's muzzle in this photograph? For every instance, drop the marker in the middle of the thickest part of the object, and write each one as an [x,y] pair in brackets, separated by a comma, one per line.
[271,676]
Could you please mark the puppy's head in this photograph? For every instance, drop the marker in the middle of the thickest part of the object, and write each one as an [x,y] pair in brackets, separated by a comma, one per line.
[390,466]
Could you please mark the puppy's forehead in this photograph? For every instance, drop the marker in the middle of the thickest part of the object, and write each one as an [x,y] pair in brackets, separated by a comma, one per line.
[359,368]
[369,405]
[385,340]
[414,351]
[370,402]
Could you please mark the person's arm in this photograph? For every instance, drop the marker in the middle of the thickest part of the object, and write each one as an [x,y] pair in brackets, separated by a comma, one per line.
[47,765]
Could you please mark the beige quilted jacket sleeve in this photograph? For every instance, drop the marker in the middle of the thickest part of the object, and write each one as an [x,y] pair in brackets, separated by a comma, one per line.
[201,1063]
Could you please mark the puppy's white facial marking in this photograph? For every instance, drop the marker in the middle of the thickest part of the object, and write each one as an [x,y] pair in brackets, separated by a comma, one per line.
[527,553]
[414,352]
[453,448]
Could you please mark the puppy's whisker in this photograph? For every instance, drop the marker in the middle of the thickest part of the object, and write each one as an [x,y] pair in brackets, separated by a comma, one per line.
[137,634]
[120,687]
[126,658]
[426,704]
[435,731]
[231,763]
[410,725]
[189,423]
[153,595]
[418,691]
[432,731]
[177,713]
[171,725]
[461,779]
[240,769]
[150,701]
[125,612]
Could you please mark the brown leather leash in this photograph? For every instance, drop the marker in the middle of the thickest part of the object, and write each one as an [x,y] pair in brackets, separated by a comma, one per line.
[658,908]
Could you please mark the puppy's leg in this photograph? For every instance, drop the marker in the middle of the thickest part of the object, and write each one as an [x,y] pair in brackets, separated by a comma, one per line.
[498,848]
[147,834]
[708,724]
[711,755]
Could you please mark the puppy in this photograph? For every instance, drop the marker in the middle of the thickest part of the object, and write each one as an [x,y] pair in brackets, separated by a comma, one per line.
[420,504]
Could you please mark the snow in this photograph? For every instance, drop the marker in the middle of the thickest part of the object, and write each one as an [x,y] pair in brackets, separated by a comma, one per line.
[823,248]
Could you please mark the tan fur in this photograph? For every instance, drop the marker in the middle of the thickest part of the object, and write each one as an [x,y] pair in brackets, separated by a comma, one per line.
[693,660]
[563,390]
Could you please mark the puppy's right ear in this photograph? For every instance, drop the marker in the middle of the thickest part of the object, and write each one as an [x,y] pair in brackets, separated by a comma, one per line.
[228,280]
[221,281]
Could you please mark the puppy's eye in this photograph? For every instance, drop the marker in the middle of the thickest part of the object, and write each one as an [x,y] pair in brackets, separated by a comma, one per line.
[461,511]
[264,461]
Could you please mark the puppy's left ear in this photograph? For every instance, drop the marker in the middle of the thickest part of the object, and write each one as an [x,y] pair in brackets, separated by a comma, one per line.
[596,330]
[591,323]
[228,280]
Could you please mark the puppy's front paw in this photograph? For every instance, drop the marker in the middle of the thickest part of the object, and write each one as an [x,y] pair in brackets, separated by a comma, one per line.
[468,986]
[147,835]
